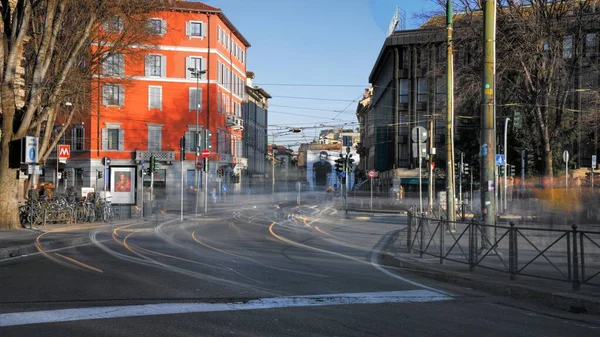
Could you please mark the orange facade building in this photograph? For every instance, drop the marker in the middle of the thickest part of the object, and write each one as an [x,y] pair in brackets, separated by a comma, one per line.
[142,104]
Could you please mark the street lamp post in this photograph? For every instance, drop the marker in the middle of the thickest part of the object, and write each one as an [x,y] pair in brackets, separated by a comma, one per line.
[197,73]
[505,159]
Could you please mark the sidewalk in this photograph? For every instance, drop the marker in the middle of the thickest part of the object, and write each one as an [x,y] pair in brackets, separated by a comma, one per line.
[544,291]
[20,242]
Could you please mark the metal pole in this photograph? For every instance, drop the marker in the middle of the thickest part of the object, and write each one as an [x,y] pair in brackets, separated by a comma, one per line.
[142,191]
[197,139]
[181,217]
[460,174]
[431,153]
[57,180]
[371,193]
[488,141]
[505,160]
[206,187]
[151,191]
[567,173]
[450,211]
[420,184]
[472,199]
[347,176]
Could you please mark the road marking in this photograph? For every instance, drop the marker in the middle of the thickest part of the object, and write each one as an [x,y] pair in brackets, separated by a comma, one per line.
[375,264]
[373,261]
[84,314]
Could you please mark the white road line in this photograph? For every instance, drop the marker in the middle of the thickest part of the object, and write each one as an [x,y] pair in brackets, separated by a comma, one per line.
[51,250]
[82,314]
[376,253]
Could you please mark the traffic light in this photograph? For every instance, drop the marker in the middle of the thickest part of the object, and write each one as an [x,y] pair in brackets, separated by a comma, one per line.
[152,164]
[339,165]
[182,148]
[207,139]
[148,172]
[466,169]
[500,171]
[66,174]
[512,170]
[99,174]
[349,163]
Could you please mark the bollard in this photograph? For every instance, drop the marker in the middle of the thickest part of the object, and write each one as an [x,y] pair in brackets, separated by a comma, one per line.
[512,251]
[409,224]
[576,280]
[442,233]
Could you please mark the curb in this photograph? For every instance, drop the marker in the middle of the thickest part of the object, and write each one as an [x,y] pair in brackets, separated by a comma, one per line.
[573,303]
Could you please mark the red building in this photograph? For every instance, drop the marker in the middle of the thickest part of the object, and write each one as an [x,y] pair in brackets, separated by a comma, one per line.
[149,101]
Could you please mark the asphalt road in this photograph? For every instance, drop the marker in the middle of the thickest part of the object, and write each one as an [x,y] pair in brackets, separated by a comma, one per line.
[255,271]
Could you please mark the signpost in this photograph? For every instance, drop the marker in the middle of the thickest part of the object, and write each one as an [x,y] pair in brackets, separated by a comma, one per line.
[64,153]
[205,155]
[372,174]
[592,174]
[106,163]
[419,136]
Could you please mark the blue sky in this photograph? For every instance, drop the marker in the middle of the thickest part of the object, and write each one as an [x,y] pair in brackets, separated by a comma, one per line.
[325,47]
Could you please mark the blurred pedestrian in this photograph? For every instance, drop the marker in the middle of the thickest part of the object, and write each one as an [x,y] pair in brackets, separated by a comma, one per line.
[213,195]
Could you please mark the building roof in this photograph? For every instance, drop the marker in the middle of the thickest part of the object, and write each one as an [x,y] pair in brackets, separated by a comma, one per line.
[204,8]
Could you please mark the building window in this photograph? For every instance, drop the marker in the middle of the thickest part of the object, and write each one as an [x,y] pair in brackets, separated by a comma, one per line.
[568,47]
[112,140]
[114,24]
[77,138]
[195,99]
[154,97]
[590,43]
[156,26]
[154,137]
[155,65]
[114,65]
[422,92]
[404,90]
[113,95]
[440,89]
[195,29]
[194,62]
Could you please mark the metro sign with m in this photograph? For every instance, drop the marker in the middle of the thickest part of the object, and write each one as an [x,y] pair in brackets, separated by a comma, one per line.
[64,151]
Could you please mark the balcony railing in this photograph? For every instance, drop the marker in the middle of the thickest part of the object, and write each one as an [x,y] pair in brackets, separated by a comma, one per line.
[159,155]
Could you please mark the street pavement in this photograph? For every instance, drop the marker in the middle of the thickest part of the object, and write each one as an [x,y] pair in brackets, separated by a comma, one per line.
[249,269]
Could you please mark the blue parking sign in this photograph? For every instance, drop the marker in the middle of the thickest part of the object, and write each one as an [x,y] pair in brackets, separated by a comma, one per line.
[499,160]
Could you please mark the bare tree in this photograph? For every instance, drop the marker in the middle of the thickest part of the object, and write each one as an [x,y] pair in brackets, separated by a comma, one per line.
[50,50]
[539,47]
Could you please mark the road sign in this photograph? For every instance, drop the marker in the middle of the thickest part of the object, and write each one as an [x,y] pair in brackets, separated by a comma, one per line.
[64,151]
[372,173]
[593,161]
[566,156]
[31,150]
[106,161]
[499,160]
[224,187]
[199,165]
[419,134]
[205,153]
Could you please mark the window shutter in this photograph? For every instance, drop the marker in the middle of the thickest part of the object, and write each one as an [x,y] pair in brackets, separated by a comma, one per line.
[105,95]
[121,95]
[188,64]
[104,139]
[149,97]
[187,28]
[160,97]
[218,101]
[163,27]
[163,66]
[121,139]
[82,138]
[192,98]
[199,99]
[219,77]
[203,66]
[147,65]
[121,59]
[203,29]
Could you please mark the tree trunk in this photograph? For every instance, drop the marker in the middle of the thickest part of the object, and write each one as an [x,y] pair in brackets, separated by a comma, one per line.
[9,207]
